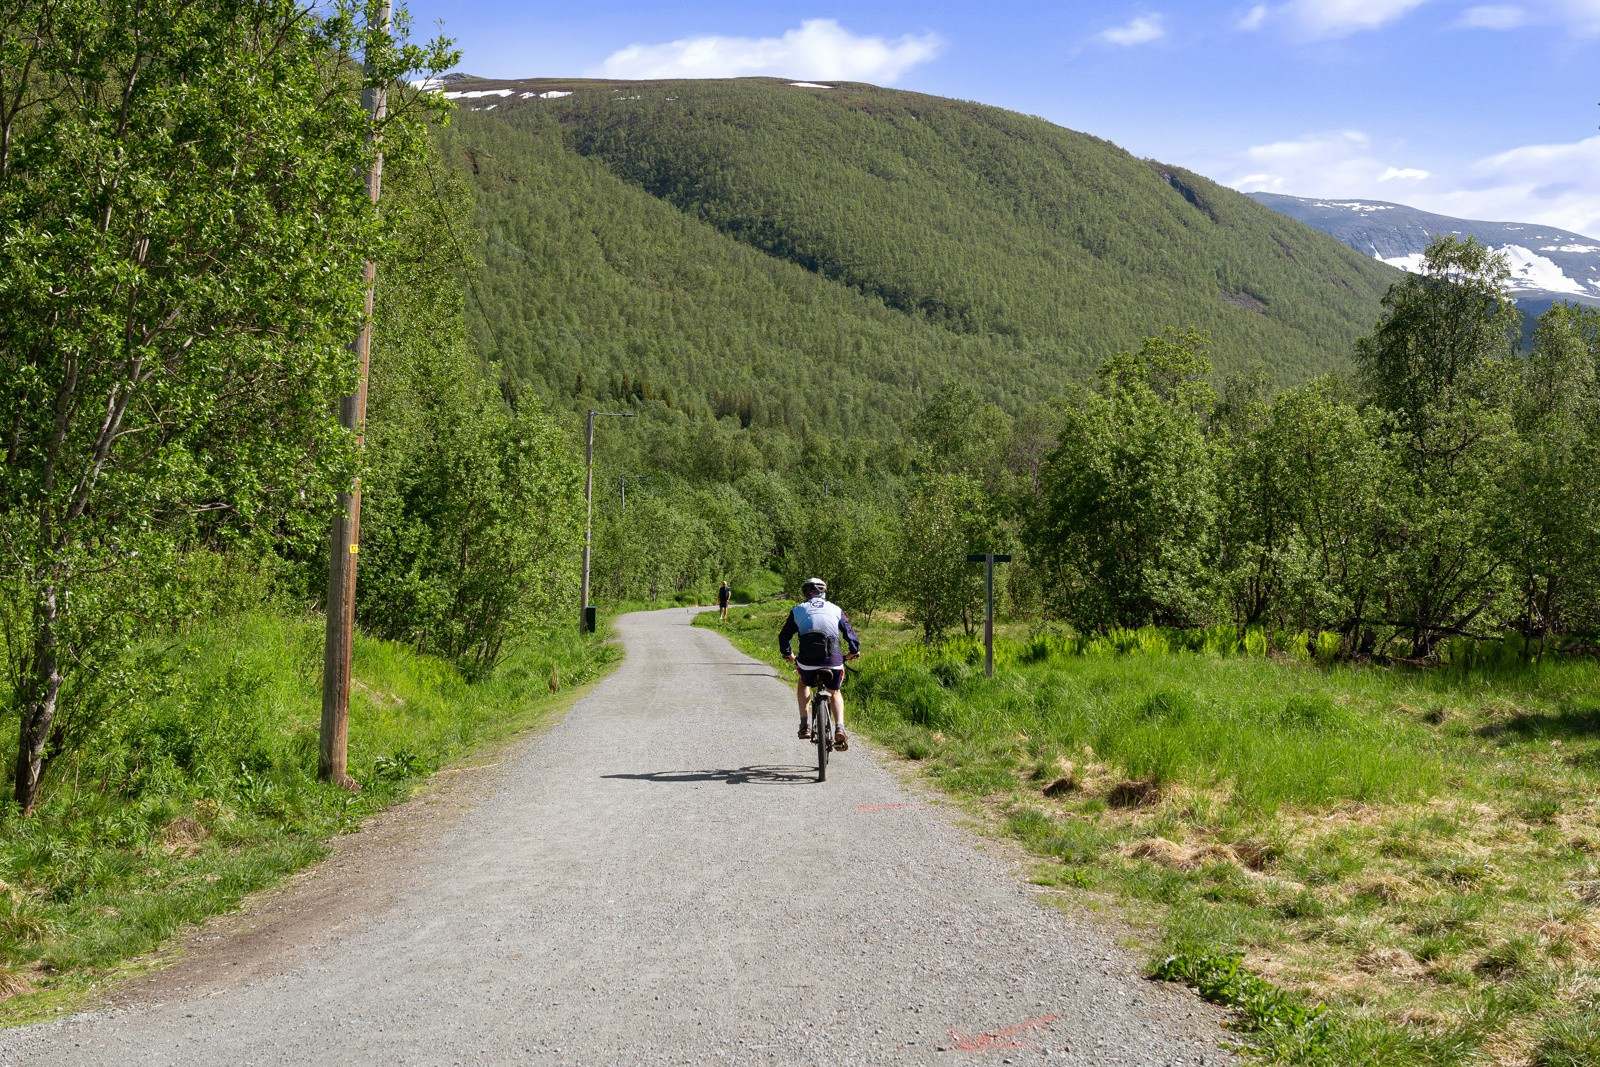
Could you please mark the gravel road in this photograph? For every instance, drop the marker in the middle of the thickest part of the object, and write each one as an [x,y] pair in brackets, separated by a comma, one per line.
[658,879]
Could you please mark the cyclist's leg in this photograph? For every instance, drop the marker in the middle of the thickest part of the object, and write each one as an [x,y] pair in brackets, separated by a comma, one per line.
[838,709]
[802,697]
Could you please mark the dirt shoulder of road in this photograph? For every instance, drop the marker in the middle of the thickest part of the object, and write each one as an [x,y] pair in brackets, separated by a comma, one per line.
[356,878]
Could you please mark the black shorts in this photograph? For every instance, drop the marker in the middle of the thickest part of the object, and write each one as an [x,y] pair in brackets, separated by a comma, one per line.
[832,677]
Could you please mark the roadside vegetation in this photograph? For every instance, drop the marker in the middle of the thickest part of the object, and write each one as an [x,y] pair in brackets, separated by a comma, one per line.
[182,232]
[174,807]
[1416,849]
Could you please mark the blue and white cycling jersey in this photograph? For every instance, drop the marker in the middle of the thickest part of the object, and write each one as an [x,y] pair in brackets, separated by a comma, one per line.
[819,624]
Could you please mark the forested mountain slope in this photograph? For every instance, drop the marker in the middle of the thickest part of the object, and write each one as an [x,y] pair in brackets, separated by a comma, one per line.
[830,256]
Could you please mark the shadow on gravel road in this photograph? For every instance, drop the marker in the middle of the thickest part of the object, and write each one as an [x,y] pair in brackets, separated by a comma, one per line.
[736,776]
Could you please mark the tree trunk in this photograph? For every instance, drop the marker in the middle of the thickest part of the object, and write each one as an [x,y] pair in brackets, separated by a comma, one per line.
[41,689]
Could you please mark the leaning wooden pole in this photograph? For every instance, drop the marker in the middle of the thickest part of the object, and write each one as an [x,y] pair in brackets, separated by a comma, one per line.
[345,541]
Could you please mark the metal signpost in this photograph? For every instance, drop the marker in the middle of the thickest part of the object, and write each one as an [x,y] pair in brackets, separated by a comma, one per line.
[586,617]
[989,559]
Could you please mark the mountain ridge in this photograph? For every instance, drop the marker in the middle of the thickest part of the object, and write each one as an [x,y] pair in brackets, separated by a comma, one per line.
[1548,264]
[620,219]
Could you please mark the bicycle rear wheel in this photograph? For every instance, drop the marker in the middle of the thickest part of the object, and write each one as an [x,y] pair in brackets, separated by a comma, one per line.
[822,730]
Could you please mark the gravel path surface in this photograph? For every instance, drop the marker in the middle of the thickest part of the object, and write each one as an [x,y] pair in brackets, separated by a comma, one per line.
[658,879]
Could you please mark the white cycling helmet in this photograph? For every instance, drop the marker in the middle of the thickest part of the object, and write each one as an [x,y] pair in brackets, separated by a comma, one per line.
[813,587]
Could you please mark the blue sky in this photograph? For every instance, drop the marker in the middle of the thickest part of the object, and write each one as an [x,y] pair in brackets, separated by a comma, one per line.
[1479,110]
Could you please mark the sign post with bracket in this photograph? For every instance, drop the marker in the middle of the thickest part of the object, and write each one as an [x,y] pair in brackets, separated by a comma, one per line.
[989,559]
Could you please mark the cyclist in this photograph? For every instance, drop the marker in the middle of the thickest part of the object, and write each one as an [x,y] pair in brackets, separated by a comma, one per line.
[819,624]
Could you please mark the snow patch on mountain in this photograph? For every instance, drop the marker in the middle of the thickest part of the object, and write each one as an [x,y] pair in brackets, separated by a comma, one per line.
[1529,271]
[809,85]
[476,94]
[1413,262]
[1356,206]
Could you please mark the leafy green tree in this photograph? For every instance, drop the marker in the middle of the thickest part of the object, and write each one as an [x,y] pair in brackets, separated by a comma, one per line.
[1440,367]
[472,512]
[849,542]
[1442,348]
[1548,512]
[945,517]
[739,538]
[181,226]
[959,432]
[775,502]
[1126,524]
[1303,483]
[473,524]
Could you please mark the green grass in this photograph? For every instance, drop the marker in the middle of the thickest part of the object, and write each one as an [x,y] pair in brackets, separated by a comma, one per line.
[1417,850]
[203,791]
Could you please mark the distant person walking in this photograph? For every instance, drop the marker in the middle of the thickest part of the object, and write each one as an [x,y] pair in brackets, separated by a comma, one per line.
[724,595]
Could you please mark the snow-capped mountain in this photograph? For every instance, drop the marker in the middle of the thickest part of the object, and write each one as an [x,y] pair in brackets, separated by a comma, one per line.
[1547,264]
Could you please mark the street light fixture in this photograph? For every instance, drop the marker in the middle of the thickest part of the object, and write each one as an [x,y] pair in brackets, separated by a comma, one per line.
[586,616]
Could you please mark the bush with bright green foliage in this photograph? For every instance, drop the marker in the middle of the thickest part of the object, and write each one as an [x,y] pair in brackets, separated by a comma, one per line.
[1444,493]
[179,233]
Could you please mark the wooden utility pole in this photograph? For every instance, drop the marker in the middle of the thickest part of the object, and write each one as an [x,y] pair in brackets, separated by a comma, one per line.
[989,558]
[345,541]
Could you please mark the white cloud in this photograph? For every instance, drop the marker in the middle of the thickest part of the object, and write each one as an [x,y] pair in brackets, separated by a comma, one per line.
[1494,17]
[1320,19]
[1254,19]
[818,48]
[1336,163]
[1580,17]
[1141,30]
[1550,184]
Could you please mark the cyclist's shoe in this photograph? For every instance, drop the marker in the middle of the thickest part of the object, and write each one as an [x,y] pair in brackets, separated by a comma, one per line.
[840,741]
[805,731]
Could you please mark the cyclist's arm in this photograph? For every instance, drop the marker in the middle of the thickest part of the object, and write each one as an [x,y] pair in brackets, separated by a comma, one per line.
[850,635]
[785,635]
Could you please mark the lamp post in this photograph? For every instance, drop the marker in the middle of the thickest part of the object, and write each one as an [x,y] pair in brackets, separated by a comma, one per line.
[584,620]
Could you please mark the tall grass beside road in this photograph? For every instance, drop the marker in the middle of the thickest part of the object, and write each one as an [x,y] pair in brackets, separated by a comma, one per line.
[205,789]
[1417,849]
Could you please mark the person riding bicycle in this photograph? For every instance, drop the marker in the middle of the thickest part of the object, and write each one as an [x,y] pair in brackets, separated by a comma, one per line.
[819,624]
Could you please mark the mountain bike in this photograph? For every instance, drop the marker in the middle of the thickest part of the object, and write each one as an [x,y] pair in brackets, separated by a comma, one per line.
[822,725]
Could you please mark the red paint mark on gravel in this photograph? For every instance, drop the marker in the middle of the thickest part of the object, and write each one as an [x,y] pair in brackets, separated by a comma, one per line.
[882,807]
[992,1040]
